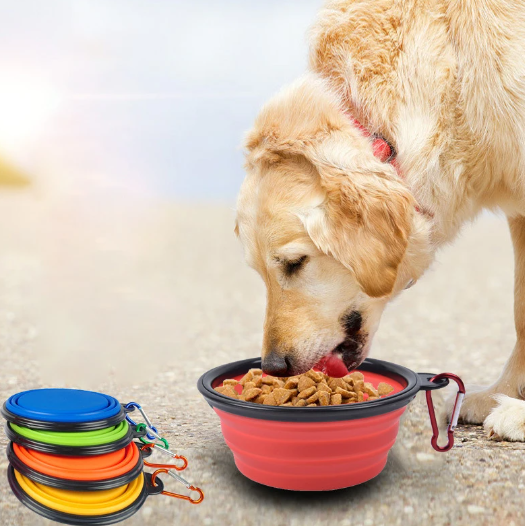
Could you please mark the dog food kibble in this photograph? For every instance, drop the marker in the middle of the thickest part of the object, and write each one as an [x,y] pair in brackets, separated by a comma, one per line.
[384,389]
[311,389]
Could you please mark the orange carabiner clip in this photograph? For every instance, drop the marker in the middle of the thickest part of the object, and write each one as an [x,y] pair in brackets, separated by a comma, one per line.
[180,479]
[144,447]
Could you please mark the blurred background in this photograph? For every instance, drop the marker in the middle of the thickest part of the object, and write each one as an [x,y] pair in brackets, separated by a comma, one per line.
[121,126]
[135,99]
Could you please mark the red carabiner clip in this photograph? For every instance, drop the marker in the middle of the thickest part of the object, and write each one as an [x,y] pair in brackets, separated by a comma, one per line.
[455,412]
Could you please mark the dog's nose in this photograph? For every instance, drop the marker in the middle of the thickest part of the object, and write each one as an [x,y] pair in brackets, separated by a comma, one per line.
[275,364]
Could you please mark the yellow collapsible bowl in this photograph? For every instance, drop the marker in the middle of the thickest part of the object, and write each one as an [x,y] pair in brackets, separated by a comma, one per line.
[83,507]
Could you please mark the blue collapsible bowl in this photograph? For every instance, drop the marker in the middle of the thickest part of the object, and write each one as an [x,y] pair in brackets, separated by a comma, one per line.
[63,410]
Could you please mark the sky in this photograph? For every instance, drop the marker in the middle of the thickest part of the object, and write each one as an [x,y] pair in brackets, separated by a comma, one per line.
[132,97]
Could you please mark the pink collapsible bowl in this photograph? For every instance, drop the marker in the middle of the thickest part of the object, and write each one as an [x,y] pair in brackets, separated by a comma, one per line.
[320,448]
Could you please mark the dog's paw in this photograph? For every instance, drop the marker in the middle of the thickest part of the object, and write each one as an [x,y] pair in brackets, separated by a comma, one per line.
[477,405]
[507,420]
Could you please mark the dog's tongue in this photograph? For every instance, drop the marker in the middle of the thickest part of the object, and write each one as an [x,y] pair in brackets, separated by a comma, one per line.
[332,365]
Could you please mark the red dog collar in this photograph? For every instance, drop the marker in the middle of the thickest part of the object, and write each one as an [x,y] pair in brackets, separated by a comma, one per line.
[382,149]
[386,153]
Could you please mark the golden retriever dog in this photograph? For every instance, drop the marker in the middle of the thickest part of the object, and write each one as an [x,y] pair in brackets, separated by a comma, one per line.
[335,230]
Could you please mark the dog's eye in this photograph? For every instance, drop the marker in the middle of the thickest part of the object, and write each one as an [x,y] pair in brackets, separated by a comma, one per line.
[292,267]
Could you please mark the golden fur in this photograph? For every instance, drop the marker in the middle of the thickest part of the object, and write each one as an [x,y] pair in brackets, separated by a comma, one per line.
[443,81]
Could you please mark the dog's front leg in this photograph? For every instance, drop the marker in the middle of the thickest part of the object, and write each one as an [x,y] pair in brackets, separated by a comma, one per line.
[501,406]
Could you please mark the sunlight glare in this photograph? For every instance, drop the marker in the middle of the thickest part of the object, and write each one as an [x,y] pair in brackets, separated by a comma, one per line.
[25,106]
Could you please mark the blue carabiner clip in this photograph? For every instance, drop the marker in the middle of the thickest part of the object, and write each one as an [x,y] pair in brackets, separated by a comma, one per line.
[131,406]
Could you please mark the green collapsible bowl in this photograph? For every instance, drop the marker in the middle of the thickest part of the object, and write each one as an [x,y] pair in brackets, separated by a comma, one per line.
[77,443]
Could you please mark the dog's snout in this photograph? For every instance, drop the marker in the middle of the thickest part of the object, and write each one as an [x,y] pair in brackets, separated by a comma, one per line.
[276,364]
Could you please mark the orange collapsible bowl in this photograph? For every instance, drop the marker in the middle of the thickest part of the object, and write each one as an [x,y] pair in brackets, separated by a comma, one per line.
[319,448]
[98,472]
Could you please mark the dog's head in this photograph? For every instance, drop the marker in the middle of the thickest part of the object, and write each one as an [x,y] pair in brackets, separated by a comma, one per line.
[331,230]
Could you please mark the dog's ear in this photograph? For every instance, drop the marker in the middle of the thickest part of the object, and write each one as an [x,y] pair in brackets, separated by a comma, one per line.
[365,219]
[269,149]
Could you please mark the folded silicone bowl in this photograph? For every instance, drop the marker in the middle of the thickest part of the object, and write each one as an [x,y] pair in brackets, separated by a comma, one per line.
[314,448]
[78,473]
[63,410]
[84,507]
[77,443]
